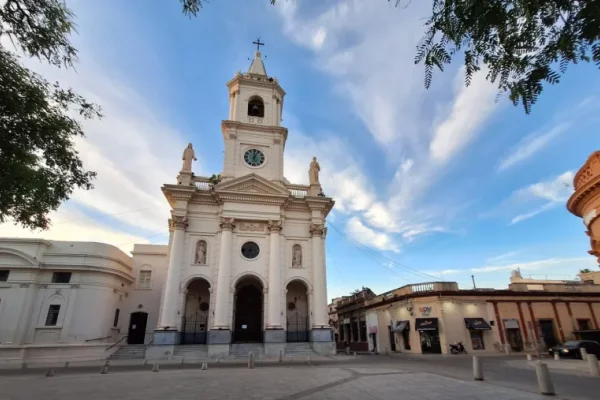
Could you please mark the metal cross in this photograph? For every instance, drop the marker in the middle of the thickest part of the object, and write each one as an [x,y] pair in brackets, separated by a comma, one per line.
[258,44]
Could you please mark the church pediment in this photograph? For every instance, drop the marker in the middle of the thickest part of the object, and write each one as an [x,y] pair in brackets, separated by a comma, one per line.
[251,184]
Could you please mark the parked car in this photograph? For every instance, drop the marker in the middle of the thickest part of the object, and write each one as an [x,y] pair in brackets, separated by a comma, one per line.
[571,349]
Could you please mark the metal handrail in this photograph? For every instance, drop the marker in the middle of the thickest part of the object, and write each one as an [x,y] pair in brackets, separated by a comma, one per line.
[114,344]
[100,338]
[150,344]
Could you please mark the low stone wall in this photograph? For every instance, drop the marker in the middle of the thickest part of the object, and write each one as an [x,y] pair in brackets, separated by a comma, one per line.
[54,352]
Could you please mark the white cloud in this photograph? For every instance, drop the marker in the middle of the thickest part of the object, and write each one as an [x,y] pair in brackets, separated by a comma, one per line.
[369,237]
[530,145]
[537,265]
[554,192]
[502,256]
[72,225]
[472,106]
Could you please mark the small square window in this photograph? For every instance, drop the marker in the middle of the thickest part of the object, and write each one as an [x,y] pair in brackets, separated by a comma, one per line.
[52,317]
[61,277]
[584,324]
[4,275]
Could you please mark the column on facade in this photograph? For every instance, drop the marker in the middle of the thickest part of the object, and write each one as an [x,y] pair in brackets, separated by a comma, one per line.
[319,278]
[274,298]
[222,300]
[168,316]
[231,98]
[235,101]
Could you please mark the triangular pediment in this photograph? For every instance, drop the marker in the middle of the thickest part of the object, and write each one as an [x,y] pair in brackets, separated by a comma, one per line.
[251,184]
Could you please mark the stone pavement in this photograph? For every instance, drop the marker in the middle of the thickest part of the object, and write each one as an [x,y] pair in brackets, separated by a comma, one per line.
[281,383]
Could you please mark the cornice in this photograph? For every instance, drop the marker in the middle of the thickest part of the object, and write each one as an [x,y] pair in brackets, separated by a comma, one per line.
[574,203]
[228,126]
[244,80]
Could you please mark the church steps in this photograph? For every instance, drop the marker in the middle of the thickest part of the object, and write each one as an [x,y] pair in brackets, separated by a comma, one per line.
[129,352]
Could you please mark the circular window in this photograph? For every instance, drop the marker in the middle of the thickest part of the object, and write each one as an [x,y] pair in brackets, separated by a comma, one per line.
[204,306]
[250,250]
[254,157]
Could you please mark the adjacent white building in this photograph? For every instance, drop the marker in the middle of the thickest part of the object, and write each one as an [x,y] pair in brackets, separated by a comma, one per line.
[245,260]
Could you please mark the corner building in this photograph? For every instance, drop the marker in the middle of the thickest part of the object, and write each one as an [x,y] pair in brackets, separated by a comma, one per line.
[246,258]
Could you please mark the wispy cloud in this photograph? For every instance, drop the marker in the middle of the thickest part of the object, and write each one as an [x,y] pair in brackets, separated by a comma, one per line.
[553,192]
[532,144]
[503,256]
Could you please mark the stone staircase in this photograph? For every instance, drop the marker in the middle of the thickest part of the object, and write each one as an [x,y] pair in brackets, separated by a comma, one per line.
[191,352]
[129,352]
[299,349]
[241,350]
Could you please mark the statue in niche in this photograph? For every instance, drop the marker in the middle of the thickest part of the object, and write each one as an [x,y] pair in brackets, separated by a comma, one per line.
[313,172]
[188,156]
[297,256]
[201,252]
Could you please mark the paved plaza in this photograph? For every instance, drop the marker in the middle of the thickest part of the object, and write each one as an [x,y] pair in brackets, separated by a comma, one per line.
[361,381]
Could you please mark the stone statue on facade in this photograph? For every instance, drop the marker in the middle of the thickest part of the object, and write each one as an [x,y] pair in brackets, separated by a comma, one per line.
[188,156]
[296,256]
[201,252]
[313,172]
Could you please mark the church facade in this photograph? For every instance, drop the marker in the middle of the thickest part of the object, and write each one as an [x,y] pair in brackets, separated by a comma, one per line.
[246,256]
[245,262]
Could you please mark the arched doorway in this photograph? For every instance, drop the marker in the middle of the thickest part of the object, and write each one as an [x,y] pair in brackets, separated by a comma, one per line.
[248,311]
[297,321]
[195,317]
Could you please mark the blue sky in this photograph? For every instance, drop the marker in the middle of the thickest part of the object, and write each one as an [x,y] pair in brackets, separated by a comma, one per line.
[443,183]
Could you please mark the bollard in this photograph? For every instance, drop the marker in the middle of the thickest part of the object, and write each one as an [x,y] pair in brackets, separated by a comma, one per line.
[181,362]
[218,360]
[477,369]
[556,356]
[347,351]
[251,360]
[145,361]
[50,372]
[507,349]
[66,364]
[354,354]
[280,355]
[543,377]
[155,367]
[529,357]
[593,364]
[584,354]
[204,367]
[104,370]
[308,360]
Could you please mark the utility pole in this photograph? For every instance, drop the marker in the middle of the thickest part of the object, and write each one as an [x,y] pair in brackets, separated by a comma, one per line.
[473,279]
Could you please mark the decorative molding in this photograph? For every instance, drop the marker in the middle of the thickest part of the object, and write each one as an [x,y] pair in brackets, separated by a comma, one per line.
[251,227]
[227,224]
[179,222]
[316,230]
[324,232]
[277,141]
[24,285]
[233,136]
[275,226]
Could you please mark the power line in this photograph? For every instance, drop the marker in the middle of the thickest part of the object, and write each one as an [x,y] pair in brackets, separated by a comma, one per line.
[372,252]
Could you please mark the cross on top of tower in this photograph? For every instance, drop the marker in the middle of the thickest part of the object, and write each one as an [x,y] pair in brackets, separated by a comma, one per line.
[258,43]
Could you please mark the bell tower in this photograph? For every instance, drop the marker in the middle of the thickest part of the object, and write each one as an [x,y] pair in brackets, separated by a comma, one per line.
[253,135]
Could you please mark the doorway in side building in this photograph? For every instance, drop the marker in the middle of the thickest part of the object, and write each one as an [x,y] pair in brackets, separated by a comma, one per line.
[547,332]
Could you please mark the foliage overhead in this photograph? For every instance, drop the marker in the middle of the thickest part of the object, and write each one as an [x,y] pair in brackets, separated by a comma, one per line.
[585,271]
[523,43]
[39,166]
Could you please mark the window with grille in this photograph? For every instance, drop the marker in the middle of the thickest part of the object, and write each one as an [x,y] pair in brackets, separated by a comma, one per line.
[4,275]
[145,279]
[61,277]
[52,317]
[116,320]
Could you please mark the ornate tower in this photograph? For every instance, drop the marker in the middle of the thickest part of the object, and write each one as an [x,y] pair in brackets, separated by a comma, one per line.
[254,138]
[585,202]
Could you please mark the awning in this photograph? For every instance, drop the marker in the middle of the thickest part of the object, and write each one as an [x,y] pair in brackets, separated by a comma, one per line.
[400,326]
[426,324]
[477,324]
[511,324]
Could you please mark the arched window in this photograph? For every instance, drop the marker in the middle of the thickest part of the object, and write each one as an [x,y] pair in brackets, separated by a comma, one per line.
[256,107]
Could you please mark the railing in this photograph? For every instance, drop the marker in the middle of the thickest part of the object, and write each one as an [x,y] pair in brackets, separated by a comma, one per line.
[114,344]
[300,194]
[203,186]
[422,287]
[100,338]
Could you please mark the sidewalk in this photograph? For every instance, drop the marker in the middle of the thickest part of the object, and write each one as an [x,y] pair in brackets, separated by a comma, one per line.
[578,367]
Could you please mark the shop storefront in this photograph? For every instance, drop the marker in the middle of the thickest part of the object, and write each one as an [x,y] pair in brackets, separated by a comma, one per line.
[429,335]
[476,327]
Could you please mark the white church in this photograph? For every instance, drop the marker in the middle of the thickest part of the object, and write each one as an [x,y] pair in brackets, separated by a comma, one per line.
[245,262]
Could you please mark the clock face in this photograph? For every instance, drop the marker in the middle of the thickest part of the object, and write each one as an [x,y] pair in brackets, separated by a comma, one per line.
[254,157]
